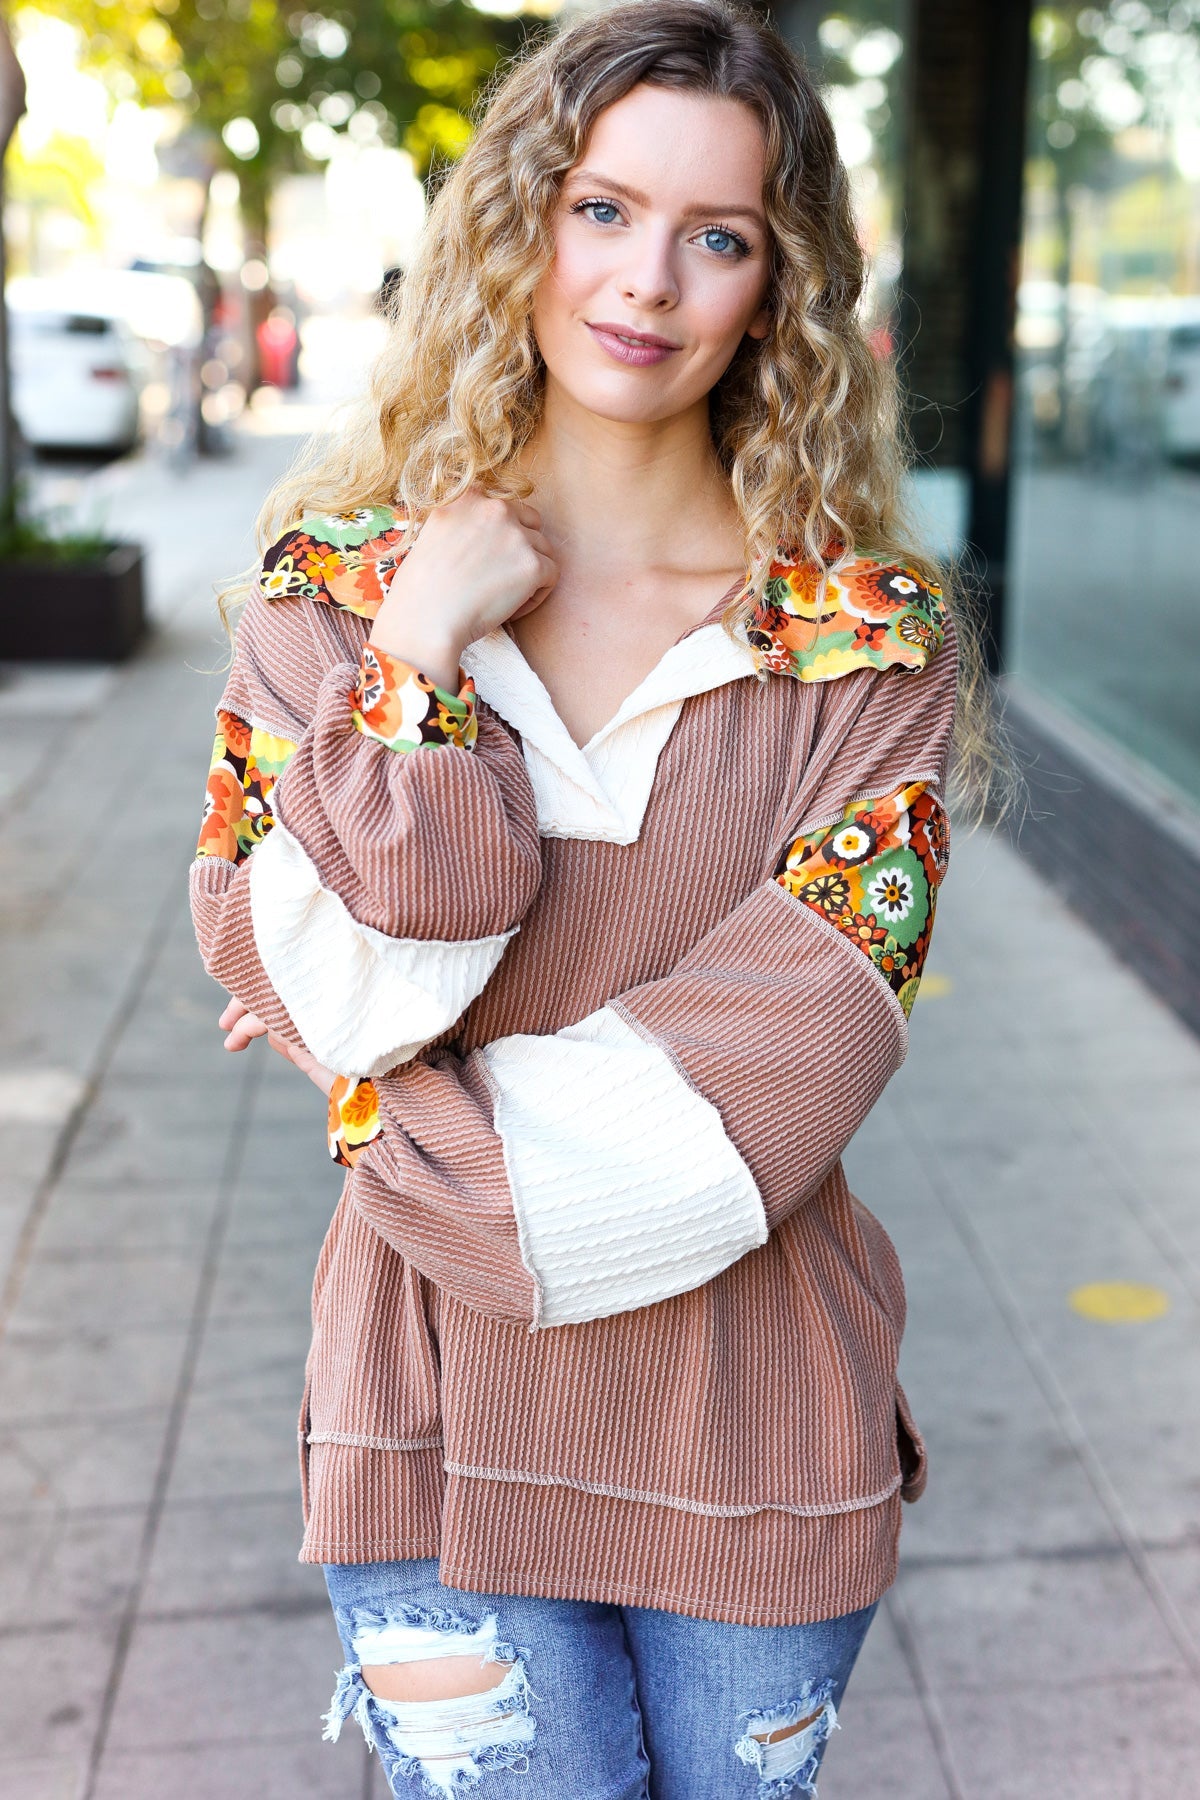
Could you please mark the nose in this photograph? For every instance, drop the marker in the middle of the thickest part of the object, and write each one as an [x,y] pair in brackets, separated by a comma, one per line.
[648,278]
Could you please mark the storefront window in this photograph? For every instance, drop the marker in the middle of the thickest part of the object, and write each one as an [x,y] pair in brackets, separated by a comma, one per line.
[855,54]
[1106,494]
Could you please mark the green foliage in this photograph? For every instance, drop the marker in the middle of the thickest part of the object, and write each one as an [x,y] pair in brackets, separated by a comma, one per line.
[48,536]
[387,71]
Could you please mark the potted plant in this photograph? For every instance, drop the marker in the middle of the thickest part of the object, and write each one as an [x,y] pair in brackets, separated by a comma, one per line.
[67,593]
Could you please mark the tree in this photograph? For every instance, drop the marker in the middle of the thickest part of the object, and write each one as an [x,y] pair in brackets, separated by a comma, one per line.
[12,105]
[276,88]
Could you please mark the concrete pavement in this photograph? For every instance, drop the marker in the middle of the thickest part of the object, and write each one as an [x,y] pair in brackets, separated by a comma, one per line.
[161,1205]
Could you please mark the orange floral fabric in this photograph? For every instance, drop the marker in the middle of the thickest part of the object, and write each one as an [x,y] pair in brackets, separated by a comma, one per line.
[246,764]
[354,1120]
[874,874]
[403,709]
[868,615]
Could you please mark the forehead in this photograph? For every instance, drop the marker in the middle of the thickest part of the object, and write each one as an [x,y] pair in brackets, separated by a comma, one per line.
[671,144]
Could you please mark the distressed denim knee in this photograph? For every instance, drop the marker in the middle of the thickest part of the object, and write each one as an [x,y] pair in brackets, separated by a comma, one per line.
[785,1759]
[446,1744]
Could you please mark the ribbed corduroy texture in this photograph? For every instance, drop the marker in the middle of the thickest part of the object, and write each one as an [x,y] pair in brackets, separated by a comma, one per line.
[734,1451]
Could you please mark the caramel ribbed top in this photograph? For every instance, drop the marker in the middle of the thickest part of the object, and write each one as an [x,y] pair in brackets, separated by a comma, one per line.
[737,1451]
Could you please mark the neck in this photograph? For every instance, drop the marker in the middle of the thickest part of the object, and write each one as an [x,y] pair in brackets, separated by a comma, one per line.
[639,494]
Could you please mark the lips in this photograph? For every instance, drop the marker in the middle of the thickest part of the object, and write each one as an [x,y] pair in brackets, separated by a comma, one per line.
[636,349]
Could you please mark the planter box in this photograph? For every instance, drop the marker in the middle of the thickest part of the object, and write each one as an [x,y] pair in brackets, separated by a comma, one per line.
[73,612]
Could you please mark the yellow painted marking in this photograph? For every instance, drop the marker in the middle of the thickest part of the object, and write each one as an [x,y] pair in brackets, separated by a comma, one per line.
[1119,1302]
[935,987]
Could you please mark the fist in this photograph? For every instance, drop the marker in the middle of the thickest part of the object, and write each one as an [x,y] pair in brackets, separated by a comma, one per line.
[476,562]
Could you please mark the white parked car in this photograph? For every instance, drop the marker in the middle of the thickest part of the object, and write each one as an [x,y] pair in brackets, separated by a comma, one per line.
[77,372]
[1181,392]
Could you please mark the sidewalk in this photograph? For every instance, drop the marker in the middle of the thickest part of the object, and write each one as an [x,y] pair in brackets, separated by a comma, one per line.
[160,1642]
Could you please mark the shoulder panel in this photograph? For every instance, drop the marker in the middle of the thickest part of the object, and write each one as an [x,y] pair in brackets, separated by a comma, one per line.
[871,615]
[343,559]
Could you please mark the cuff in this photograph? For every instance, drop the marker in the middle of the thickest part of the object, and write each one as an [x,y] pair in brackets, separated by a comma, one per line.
[354,1120]
[399,707]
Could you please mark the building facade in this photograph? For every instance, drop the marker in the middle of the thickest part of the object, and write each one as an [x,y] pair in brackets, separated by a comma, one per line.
[1029,183]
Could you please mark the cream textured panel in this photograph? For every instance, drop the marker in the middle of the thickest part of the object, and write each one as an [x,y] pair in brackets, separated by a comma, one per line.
[625,1186]
[601,792]
[362,1001]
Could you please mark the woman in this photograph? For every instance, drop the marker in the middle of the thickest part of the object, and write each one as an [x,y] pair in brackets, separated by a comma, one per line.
[576,823]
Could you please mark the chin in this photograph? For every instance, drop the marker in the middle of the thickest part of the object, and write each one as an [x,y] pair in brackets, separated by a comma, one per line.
[623,402]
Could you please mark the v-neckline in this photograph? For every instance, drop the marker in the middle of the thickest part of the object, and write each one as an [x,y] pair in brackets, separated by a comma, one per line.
[625,709]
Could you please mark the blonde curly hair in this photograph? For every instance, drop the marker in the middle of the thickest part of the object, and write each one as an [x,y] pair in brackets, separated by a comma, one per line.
[805,421]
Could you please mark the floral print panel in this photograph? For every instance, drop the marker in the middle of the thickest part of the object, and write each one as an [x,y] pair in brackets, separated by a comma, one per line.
[869,616]
[874,874]
[403,709]
[345,559]
[354,1120]
[246,764]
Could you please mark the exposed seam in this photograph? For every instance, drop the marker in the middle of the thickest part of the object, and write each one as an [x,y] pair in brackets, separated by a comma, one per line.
[656,1043]
[493,1088]
[819,824]
[839,937]
[529,1580]
[362,1440]
[677,1503]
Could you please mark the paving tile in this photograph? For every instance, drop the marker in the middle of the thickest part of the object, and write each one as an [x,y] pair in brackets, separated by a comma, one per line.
[1028,1619]
[69,1374]
[265,1282]
[1177,1567]
[229,1451]
[122,1135]
[93,1290]
[882,1750]
[99,1460]
[281,1770]
[232,1554]
[881,1667]
[1002,1494]
[1132,1738]
[289,1212]
[220,1680]
[164,1214]
[43,1777]
[51,1688]
[261,1360]
[59,1567]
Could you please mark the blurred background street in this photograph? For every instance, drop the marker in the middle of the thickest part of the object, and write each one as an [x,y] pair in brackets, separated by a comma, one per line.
[203,206]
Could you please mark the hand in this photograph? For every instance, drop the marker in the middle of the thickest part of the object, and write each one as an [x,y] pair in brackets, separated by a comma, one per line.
[304,1060]
[242,1025]
[476,562]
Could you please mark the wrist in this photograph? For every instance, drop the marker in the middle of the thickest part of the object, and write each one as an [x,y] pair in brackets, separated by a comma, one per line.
[417,632]
[436,654]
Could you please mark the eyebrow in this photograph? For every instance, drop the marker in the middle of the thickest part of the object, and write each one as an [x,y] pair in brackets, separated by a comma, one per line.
[699,209]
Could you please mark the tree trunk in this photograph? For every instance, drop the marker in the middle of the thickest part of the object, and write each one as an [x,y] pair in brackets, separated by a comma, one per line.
[12,105]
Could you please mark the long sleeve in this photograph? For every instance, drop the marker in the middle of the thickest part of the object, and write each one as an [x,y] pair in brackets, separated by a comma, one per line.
[637,1153]
[360,896]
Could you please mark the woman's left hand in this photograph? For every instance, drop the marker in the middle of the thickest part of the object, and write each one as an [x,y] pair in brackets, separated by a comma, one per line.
[242,1027]
[305,1061]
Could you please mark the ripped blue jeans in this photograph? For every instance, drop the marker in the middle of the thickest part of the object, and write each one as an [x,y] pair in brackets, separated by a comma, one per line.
[593,1702]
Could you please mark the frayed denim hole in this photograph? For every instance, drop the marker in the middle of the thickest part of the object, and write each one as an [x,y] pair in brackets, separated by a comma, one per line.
[790,1765]
[457,1763]
[434,1618]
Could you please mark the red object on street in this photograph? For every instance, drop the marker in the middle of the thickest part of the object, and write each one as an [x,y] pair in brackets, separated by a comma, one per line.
[277,344]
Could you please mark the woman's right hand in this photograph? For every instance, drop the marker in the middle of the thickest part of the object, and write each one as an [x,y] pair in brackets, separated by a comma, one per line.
[478,561]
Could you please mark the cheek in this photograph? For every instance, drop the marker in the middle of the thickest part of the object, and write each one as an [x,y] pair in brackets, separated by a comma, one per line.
[728,307]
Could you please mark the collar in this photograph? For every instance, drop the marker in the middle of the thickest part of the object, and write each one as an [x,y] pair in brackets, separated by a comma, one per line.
[602,789]
[867,614]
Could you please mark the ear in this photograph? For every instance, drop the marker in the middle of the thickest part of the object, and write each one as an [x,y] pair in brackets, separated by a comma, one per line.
[760,324]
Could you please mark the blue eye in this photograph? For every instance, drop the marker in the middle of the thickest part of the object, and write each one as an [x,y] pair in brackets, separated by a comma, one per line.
[596,208]
[724,242]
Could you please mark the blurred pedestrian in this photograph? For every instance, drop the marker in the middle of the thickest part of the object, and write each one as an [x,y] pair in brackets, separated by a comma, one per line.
[576,823]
